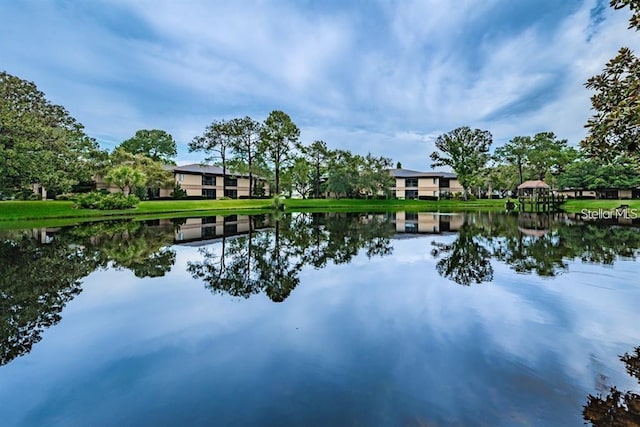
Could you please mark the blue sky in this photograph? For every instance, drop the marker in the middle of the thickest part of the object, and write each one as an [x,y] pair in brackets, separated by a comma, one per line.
[381,76]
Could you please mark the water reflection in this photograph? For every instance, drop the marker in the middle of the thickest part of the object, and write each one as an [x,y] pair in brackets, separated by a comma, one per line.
[530,243]
[270,261]
[617,408]
[41,272]
[42,269]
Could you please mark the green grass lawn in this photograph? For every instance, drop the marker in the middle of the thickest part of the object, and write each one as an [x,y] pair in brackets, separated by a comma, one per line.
[575,206]
[28,214]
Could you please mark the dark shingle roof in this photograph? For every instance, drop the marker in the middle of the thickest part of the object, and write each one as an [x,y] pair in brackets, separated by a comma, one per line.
[201,169]
[408,173]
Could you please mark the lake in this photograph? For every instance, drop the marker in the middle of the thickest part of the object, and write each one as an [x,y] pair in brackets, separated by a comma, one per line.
[397,319]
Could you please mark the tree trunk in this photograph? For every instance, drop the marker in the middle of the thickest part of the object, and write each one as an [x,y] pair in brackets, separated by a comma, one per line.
[224,176]
[250,174]
[520,172]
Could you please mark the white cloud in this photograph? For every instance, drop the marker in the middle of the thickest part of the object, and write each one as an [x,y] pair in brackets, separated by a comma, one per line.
[385,78]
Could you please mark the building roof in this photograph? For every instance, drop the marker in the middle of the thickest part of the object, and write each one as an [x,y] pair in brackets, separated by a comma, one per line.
[201,169]
[408,173]
[533,184]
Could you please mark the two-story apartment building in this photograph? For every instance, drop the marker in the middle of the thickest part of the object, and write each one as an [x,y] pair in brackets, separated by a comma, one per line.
[410,184]
[209,181]
[202,180]
[427,222]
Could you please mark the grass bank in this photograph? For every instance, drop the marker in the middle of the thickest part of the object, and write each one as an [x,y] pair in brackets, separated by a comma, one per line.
[27,214]
[34,214]
[575,206]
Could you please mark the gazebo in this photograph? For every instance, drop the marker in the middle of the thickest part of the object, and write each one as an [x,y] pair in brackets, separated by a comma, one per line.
[538,195]
[534,189]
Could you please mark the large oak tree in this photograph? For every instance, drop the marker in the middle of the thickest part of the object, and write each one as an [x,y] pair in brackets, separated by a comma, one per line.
[39,141]
[464,150]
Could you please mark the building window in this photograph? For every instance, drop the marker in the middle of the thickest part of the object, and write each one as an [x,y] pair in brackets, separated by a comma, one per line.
[411,194]
[411,182]
[209,220]
[435,181]
[230,181]
[411,216]
[208,193]
[208,180]
[230,229]
[233,194]
[435,193]
[445,183]
[180,177]
[411,228]
[231,218]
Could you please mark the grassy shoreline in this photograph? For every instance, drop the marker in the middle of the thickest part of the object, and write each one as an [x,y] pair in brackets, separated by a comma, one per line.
[27,214]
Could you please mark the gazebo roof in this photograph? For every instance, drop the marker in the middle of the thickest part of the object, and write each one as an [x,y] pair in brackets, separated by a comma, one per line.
[533,184]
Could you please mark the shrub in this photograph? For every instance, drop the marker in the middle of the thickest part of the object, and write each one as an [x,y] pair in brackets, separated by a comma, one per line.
[110,201]
[226,198]
[277,202]
[178,192]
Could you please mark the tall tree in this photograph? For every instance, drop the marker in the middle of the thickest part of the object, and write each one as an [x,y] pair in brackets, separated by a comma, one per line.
[466,151]
[216,141]
[548,155]
[375,178]
[317,155]
[155,144]
[614,129]
[342,175]
[515,153]
[279,139]
[245,146]
[39,141]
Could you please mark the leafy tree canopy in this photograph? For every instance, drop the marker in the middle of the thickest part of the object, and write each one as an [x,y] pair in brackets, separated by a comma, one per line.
[155,144]
[279,137]
[614,129]
[39,141]
[464,150]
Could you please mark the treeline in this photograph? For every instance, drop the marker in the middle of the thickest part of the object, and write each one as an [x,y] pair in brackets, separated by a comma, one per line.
[272,150]
[542,156]
[41,143]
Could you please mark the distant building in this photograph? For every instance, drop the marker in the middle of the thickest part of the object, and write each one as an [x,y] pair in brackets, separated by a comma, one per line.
[202,181]
[608,193]
[410,184]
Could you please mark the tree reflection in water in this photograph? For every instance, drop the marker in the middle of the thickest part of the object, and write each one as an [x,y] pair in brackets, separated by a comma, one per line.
[532,243]
[616,408]
[41,273]
[270,260]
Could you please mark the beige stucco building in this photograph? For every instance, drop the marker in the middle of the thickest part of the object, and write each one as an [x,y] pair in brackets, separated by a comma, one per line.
[202,181]
[410,184]
[612,193]
[427,222]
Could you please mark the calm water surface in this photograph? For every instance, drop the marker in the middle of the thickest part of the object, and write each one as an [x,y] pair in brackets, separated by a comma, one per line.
[321,319]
